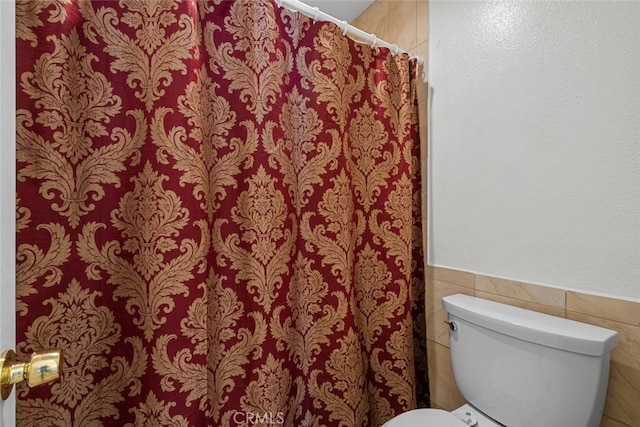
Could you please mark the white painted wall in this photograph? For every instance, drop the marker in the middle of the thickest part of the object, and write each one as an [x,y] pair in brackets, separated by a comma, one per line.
[535,142]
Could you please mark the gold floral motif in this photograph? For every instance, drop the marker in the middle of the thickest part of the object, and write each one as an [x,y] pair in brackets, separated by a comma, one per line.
[301,155]
[27,16]
[296,25]
[370,165]
[397,373]
[269,393]
[194,326]
[181,369]
[397,95]
[252,23]
[87,333]
[154,412]
[125,381]
[260,214]
[150,58]
[230,345]
[32,263]
[148,217]
[335,240]
[306,330]
[310,419]
[260,76]
[294,410]
[342,393]
[368,55]
[23,216]
[76,101]
[75,187]
[381,309]
[209,115]
[377,303]
[368,137]
[208,6]
[332,79]
[40,412]
[221,157]
[380,410]
[396,236]
[150,20]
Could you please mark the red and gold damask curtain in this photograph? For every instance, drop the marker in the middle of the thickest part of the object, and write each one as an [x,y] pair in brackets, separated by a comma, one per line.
[218,217]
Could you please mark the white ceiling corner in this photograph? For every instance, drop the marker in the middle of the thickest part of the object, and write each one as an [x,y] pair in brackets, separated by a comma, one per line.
[344,10]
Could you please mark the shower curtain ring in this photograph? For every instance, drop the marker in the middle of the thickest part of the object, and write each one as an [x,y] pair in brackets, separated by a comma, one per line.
[375,40]
[345,27]
[317,12]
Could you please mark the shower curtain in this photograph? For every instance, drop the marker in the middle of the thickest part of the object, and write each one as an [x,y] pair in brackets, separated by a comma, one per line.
[218,217]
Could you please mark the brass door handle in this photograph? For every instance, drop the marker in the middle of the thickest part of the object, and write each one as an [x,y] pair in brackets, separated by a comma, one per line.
[43,367]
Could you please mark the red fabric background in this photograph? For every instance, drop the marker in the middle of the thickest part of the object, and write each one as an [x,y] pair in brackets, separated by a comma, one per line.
[218,217]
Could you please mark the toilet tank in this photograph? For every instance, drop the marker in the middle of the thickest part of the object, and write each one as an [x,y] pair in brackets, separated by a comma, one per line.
[527,369]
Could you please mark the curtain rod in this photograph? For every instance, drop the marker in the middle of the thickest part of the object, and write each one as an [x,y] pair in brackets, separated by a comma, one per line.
[318,15]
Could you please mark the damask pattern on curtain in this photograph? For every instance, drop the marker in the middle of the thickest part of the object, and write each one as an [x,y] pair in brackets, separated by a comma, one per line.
[218,217]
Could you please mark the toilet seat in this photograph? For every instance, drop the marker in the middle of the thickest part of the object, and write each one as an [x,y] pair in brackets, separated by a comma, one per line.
[425,417]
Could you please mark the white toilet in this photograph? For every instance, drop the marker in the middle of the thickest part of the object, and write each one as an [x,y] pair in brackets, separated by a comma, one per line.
[520,368]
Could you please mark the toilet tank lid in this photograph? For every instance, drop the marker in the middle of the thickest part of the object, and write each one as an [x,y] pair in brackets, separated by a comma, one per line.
[532,326]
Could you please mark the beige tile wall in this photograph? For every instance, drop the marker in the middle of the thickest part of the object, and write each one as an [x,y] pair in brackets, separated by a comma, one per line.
[405,23]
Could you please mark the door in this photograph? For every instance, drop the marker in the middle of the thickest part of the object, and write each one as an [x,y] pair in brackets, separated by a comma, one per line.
[7,193]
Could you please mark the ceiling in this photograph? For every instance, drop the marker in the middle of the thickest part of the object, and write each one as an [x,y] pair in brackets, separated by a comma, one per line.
[342,9]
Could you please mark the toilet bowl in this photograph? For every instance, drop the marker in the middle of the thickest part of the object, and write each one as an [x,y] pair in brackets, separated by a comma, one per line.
[465,416]
[520,368]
